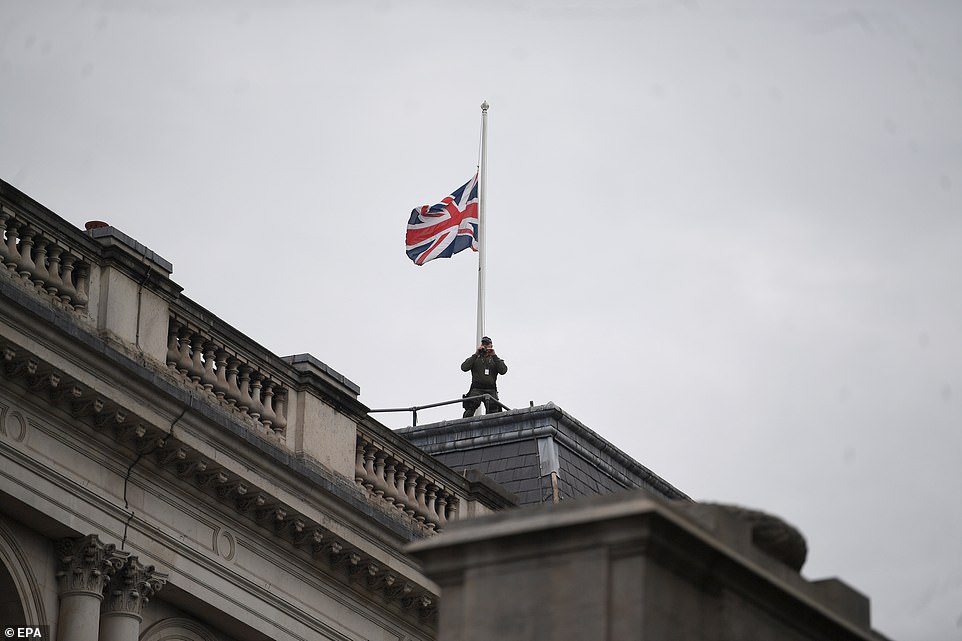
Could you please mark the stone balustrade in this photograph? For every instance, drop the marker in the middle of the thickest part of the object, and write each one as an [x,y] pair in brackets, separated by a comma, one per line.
[41,257]
[230,377]
[386,475]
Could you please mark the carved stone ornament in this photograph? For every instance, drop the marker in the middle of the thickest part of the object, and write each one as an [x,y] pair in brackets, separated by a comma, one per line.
[85,564]
[773,536]
[132,587]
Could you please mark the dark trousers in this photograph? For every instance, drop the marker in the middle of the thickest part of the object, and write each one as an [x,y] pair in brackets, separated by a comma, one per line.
[470,407]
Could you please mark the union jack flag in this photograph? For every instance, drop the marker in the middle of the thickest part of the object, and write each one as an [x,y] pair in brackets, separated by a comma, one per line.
[442,230]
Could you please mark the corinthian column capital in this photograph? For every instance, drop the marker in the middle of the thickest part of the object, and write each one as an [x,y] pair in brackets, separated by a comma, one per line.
[86,564]
[131,587]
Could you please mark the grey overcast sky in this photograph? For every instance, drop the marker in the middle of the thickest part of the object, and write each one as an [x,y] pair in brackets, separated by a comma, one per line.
[725,235]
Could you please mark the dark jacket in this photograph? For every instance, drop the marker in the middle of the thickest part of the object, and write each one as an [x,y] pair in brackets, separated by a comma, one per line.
[484,370]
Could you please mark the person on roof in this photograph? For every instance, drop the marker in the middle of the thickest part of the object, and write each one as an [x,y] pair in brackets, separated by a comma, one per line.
[484,366]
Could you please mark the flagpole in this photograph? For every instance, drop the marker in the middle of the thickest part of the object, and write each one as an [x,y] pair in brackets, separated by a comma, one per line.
[481,218]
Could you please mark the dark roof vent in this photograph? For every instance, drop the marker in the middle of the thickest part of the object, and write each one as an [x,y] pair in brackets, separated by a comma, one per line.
[95,224]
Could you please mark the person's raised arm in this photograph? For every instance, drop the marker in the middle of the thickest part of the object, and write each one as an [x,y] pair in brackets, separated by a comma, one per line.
[469,362]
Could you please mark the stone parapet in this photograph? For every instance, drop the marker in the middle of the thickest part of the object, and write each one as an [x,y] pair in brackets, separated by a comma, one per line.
[402,477]
[204,452]
[102,275]
[144,410]
[620,567]
[115,296]
[44,252]
[233,376]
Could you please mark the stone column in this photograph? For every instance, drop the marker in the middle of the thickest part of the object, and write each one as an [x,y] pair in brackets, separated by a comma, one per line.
[129,590]
[85,566]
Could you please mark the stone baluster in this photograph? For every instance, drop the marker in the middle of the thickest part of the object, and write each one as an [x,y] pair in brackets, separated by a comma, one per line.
[454,506]
[377,477]
[244,387]
[233,391]
[184,361]
[81,277]
[430,495]
[173,352]
[54,282]
[280,410]
[209,378]
[221,388]
[421,511]
[411,500]
[132,587]
[400,492]
[196,369]
[26,266]
[441,508]
[450,507]
[454,503]
[359,471]
[369,452]
[4,237]
[12,252]
[390,494]
[40,273]
[68,292]
[381,489]
[268,415]
[85,566]
[257,406]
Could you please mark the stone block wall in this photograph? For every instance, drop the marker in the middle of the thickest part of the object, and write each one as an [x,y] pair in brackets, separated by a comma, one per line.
[626,567]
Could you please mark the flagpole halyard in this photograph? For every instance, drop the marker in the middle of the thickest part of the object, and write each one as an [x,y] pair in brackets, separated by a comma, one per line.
[482,180]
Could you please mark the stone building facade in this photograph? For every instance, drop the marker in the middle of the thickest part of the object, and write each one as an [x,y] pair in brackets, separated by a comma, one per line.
[632,567]
[163,477]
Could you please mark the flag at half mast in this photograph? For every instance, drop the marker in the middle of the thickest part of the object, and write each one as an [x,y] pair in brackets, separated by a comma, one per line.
[442,230]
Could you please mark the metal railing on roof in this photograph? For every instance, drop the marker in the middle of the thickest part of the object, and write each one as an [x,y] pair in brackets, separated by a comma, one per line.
[485,398]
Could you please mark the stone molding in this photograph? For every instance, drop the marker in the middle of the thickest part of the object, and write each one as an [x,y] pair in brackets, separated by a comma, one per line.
[177,629]
[618,538]
[17,564]
[348,564]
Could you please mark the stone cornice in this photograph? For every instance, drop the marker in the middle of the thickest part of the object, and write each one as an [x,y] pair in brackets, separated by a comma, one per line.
[658,529]
[74,344]
[354,566]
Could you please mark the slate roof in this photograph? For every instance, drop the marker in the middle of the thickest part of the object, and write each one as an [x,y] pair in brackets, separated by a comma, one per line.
[519,449]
